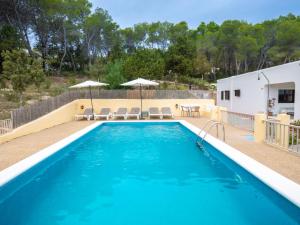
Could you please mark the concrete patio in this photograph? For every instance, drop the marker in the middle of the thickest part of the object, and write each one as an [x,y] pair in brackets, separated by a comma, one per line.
[285,163]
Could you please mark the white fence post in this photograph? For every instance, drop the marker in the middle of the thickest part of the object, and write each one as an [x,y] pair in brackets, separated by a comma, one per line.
[5,126]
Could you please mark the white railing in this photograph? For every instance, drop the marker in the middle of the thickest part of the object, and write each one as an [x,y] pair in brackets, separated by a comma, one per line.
[5,126]
[283,135]
[239,120]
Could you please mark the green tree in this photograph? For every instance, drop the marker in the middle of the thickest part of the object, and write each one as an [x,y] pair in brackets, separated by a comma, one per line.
[9,39]
[22,70]
[101,35]
[181,53]
[36,73]
[114,74]
[288,38]
[147,63]
[201,66]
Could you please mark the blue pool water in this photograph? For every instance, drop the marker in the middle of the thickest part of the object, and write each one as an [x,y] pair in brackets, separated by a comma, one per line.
[141,174]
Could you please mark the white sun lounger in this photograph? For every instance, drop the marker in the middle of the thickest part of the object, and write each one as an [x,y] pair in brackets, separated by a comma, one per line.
[104,114]
[134,112]
[121,112]
[87,114]
[154,112]
[166,112]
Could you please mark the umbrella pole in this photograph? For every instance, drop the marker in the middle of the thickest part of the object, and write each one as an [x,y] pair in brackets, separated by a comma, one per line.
[141,101]
[91,100]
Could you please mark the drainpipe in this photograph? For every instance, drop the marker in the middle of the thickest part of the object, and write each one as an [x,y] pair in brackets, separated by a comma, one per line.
[268,92]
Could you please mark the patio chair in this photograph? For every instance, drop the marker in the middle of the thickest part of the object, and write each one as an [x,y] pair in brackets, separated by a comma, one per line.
[154,112]
[195,110]
[121,113]
[134,112]
[105,113]
[87,114]
[185,111]
[166,112]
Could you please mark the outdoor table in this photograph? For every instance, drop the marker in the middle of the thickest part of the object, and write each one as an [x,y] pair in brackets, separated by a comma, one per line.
[188,108]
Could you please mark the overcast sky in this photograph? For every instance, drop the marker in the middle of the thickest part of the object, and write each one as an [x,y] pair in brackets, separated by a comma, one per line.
[129,12]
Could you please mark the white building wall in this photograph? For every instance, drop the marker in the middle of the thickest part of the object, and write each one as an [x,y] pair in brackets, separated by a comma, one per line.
[253,97]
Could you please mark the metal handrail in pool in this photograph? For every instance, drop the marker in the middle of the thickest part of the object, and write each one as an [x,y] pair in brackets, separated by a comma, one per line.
[212,124]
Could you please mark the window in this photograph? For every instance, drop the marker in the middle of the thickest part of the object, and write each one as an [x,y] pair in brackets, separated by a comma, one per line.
[227,95]
[237,93]
[286,96]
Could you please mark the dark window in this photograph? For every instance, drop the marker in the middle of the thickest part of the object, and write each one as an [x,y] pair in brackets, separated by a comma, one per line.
[237,93]
[286,96]
[222,95]
[227,95]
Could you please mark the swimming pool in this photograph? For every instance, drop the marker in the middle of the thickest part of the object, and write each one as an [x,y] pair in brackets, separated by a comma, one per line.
[139,173]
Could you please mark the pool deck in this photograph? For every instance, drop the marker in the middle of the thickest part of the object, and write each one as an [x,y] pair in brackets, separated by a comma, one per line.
[285,163]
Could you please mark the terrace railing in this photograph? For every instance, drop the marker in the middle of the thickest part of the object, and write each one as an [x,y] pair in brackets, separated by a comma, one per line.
[239,120]
[29,113]
[281,135]
[5,126]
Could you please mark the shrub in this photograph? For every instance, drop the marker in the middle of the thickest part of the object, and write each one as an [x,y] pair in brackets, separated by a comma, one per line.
[22,70]
[296,123]
[11,96]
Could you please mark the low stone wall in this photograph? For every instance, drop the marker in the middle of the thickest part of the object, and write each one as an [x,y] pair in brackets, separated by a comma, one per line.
[61,115]
[67,112]
[114,104]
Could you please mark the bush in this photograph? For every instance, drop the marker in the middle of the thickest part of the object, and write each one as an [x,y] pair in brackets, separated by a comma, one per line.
[11,96]
[56,91]
[97,70]
[47,83]
[202,84]
[296,123]
[22,70]
[147,63]
[71,81]
[114,75]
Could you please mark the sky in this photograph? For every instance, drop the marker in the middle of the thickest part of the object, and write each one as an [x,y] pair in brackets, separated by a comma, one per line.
[129,12]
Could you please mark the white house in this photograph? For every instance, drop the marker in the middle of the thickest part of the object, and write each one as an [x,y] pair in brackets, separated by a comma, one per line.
[247,93]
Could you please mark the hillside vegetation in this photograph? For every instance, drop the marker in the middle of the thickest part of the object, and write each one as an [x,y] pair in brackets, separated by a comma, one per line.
[43,40]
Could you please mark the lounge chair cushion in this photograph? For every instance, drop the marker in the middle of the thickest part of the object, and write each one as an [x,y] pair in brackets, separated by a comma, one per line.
[154,111]
[121,111]
[88,112]
[104,111]
[166,111]
[135,111]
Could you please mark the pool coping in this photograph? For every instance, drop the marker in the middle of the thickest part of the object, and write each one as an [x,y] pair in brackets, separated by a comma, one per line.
[284,186]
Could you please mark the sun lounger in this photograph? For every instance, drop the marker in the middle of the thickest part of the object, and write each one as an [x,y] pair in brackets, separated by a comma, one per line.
[121,112]
[154,112]
[104,114]
[134,112]
[166,112]
[87,114]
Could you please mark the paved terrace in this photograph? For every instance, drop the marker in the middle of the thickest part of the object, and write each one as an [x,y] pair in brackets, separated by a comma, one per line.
[286,163]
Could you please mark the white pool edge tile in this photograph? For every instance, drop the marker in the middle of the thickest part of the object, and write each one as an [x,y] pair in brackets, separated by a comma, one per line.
[284,186]
[20,167]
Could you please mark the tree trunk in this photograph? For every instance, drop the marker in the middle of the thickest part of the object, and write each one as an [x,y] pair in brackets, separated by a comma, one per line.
[65,49]
[89,50]
[23,31]
[72,60]
[245,65]
[237,65]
